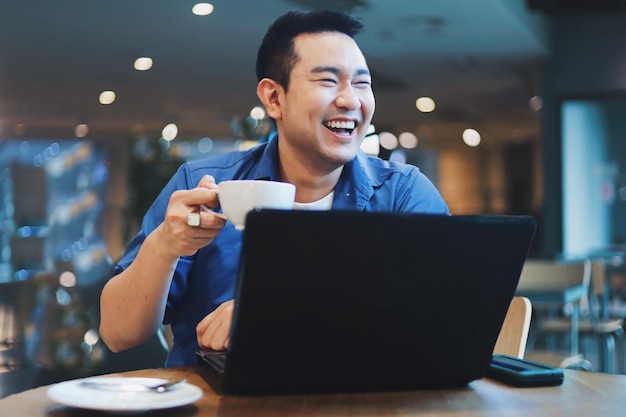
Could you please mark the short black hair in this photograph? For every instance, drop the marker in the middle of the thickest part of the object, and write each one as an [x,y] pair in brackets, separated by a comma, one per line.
[277,55]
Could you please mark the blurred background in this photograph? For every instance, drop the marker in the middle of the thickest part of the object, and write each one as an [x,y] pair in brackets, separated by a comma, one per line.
[509,106]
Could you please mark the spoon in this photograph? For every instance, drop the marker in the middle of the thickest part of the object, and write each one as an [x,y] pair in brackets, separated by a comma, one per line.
[131,386]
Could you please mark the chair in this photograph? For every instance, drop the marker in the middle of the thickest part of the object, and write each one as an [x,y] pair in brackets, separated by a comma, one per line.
[608,331]
[514,333]
[554,287]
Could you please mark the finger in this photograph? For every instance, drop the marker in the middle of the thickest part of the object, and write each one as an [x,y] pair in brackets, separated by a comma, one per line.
[194,198]
[194,219]
[212,219]
[208,320]
[212,337]
[210,222]
[207,181]
[213,331]
[202,327]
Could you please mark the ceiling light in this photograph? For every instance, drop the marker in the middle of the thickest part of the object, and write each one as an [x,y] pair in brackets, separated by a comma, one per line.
[425,104]
[169,132]
[471,137]
[407,140]
[143,63]
[107,97]
[202,9]
[91,337]
[67,279]
[257,113]
[388,140]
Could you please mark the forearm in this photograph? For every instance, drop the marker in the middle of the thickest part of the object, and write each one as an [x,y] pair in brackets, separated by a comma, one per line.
[132,303]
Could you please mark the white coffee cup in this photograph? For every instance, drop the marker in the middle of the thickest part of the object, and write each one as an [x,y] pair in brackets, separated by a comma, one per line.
[238,197]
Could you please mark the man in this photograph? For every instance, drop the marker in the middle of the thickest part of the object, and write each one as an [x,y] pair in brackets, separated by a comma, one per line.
[314,82]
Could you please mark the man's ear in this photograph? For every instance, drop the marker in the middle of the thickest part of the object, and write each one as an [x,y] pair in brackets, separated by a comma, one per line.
[270,94]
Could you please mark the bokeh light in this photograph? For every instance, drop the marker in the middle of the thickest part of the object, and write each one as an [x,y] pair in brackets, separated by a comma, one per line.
[425,104]
[169,132]
[202,9]
[388,140]
[143,63]
[407,140]
[107,97]
[471,137]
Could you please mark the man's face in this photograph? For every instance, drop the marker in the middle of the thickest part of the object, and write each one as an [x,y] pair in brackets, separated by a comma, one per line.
[329,105]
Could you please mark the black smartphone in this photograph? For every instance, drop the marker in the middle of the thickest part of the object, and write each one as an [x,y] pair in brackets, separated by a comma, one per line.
[523,373]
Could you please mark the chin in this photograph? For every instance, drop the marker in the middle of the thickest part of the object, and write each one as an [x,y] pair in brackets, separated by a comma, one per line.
[343,156]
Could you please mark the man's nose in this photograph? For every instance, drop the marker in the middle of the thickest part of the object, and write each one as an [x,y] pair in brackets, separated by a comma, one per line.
[348,98]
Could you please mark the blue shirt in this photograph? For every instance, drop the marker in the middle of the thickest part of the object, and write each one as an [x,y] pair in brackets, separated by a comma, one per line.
[204,281]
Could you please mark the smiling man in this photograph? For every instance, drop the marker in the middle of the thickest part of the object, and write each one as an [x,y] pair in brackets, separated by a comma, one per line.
[315,84]
[322,113]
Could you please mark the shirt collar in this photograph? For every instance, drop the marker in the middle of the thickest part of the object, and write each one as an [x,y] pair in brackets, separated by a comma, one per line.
[353,190]
[269,165]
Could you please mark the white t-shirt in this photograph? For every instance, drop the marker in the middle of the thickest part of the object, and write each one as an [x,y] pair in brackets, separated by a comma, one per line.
[321,204]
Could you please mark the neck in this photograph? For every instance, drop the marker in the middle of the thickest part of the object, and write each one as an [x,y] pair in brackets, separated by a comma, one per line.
[309,189]
[312,183]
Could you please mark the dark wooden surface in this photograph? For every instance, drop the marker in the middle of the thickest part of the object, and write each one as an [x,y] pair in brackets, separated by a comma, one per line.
[582,394]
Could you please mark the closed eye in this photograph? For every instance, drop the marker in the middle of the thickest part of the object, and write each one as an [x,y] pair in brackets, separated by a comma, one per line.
[329,81]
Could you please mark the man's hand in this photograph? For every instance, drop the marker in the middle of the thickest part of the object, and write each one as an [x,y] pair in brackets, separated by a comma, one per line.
[181,238]
[213,331]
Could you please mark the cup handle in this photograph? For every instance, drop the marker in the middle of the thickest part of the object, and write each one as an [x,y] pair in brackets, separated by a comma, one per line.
[220,215]
[215,213]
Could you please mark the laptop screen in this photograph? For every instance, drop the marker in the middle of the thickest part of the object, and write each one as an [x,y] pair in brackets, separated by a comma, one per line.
[343,301]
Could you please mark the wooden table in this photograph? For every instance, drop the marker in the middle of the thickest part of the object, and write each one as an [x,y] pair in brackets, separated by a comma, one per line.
[582,394]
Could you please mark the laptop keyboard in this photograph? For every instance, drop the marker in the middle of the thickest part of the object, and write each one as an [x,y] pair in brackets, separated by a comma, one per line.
[216,358]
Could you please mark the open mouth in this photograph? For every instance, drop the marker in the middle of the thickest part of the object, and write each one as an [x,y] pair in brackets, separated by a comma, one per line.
[341,127]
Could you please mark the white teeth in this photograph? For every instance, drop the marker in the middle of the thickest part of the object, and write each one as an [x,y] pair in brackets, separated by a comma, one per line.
[340,125]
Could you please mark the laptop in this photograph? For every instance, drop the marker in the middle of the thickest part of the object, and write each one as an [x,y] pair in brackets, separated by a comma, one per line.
[344,301]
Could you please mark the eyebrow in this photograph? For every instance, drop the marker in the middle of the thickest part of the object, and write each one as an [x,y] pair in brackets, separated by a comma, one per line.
[337,71]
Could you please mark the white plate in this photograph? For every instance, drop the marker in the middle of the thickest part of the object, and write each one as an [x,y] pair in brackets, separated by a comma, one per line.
[73,394]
